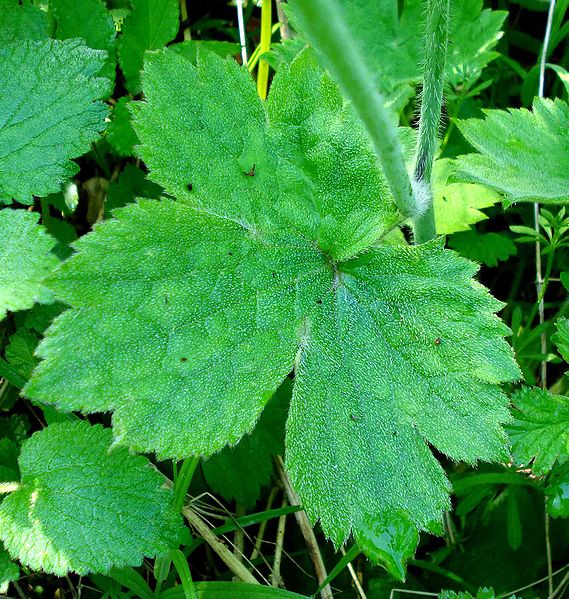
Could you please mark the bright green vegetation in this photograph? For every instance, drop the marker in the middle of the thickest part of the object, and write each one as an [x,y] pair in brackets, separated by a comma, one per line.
[245,314]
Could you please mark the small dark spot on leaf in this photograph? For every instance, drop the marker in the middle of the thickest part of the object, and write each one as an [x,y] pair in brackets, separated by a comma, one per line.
[190,187]
[251,173]
[318,301]
[437,341]
[395,433]
[274,274]
[230,253]
[354,418]
[166,299]
[183,359]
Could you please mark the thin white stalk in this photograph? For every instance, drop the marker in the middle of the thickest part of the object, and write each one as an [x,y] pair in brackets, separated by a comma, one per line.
[538,266]
[539,275]
[241,26]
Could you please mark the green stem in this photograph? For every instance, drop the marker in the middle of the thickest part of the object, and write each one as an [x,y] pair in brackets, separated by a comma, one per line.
[11,375]
[183,481]
[436,39]
[322,22]
[265,46]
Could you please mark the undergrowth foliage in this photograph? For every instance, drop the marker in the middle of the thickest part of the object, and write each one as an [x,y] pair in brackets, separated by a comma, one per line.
[215,280]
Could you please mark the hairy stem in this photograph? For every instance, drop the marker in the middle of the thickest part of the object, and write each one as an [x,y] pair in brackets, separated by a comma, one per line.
[436,39]
[325,28]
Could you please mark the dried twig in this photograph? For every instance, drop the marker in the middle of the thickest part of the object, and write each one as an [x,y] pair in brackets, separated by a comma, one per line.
[306,530]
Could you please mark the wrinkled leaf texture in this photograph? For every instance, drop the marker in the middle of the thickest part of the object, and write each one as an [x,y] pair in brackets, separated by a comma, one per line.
[84,505]
[270,261]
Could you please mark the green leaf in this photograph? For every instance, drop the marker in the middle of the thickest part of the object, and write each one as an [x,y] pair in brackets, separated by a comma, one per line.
[474,34]
[9,571]
[190,48]
[89,20]
[486,248]
[201,307]
[458,205]
[561,337]
[85,505]
[232,590]
[390,541]
[20,351]
[389,34]
[21,22]
[15,427]
[522,153]
[131,183]
[557,492]
[238,473]
[120,133]
[482,593]
[9,450]
[26,257]
[310,146]
[150,26]
[48,113]
[540,431]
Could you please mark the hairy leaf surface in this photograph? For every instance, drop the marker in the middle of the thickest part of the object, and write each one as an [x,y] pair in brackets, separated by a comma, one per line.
[270,262]
[540,431]
[522,154]
[26,257]
[48,113]
[85,506]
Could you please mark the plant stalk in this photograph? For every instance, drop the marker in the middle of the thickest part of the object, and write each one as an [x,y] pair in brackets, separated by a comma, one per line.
[436,41]
[263,72]
[323,24]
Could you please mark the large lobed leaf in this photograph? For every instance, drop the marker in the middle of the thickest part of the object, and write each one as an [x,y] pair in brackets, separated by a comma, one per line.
[26,257]
[48,113]
[271,262]
[84,505]
[522,153]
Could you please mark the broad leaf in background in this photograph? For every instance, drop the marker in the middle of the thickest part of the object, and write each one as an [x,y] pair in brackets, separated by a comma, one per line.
[26,257]
[202,307]
[238,473]
[89,20]
[557,491]
[9,571]
[522,154]
[540,430]
[150,26]
[20,351]
[561,338]
[48,114]
[485,248]
[458,205]
[84,505]
[120,133]
[21,22]
[131,183]
[389,34]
